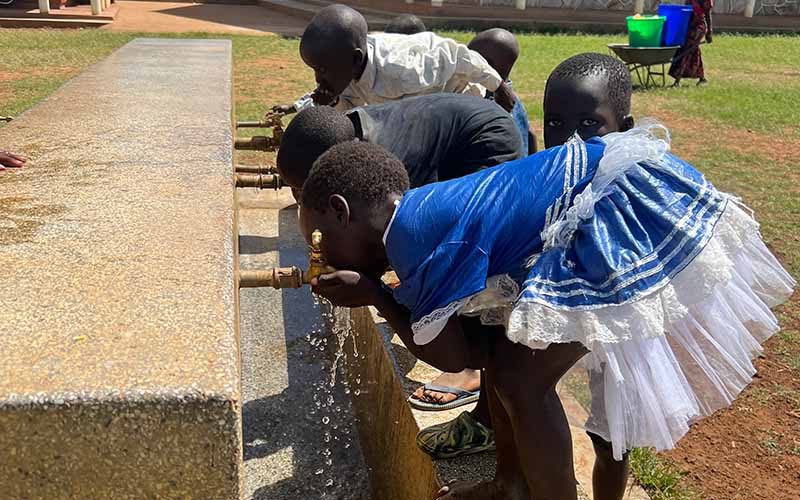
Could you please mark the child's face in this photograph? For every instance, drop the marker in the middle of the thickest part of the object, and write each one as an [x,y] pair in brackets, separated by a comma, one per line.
[580,106]
[334,68]
[347,237]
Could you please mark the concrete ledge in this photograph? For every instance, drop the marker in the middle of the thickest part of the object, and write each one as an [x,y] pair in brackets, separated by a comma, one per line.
[120,374]
[387,428]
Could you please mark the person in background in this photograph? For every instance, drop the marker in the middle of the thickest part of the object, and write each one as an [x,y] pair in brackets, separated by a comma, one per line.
[688,62]
[406,24]
[353,68]
[500,49]
[10,160]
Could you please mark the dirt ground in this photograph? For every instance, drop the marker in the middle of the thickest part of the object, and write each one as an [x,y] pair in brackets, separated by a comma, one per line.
[188,17]
[752,449]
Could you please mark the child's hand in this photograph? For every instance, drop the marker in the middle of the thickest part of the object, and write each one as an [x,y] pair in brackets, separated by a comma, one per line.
[11,160]
[346,288]
[323,97]
[284,109]
[504,97]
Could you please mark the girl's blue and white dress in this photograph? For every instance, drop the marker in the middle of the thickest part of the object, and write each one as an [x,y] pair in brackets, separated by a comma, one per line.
[613,243]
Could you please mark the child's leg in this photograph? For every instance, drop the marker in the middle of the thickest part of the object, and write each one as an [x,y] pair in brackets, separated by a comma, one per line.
[609,476]
[525,384]
[523,391]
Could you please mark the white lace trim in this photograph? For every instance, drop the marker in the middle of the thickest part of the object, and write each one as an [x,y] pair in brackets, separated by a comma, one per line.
[492,304]
[736,239]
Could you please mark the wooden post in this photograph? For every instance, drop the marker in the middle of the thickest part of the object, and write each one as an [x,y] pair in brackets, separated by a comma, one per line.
[749,7]
[436,3]
[638,7]
[44,6]
[520,4]
[96,8]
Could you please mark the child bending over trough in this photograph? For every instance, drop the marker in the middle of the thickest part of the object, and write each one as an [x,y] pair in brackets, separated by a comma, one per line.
[611,250]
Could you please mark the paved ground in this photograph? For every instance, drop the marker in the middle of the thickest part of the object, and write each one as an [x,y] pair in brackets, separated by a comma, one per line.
[187,17]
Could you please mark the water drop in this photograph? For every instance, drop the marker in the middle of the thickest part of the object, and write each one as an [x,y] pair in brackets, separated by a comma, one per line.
[325,420]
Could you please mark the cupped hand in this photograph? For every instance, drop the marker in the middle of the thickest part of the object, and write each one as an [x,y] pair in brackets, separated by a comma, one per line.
[283,109]
[346,288]
[323,97]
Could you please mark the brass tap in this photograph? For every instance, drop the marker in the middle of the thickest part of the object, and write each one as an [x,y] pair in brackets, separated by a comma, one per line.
[288,277]
[271,120]
[260,181]
[256,169]
[260,142]
[316,262]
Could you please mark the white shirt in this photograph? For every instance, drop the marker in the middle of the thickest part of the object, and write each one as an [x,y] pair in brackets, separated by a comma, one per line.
[401,66]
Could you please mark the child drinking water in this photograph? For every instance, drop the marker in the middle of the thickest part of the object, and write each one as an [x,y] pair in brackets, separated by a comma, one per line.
[611,247]
[353,68]
[437,136]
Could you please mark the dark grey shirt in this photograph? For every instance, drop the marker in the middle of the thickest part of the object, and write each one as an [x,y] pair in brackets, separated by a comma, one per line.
[440,136]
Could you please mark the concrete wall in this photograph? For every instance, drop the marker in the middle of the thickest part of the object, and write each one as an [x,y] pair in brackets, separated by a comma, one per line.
[119,328]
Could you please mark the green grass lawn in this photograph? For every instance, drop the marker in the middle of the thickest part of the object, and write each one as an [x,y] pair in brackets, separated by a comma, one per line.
[742,131]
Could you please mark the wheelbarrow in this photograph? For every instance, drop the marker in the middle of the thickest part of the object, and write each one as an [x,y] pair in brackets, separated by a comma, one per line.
[644,62]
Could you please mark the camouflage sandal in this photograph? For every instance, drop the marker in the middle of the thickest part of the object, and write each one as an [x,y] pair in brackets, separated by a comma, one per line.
[461,436]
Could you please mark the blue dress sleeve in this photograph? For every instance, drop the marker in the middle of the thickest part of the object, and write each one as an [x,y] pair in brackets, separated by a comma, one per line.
[441,285]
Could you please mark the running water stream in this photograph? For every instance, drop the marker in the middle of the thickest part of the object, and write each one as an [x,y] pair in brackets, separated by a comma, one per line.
[300,437]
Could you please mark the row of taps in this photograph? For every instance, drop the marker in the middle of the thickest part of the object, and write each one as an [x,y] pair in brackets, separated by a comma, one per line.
[260,177]
[268,178]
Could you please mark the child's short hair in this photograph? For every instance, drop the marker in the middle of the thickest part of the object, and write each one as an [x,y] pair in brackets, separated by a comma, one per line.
[618,78]
[406,24]
[337,25]
[312,132]
[359,171]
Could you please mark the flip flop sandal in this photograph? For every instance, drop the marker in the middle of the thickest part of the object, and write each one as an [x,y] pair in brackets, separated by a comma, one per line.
[461,436]
[462,398]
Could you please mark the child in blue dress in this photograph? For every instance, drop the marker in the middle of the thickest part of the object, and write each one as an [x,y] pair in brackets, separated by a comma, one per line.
[611,247]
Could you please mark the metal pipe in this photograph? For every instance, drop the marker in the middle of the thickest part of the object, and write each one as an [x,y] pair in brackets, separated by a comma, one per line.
[276,277]
[258,143]
[271,120]
[288,277]
[260,181]
[256,169]
[6,118]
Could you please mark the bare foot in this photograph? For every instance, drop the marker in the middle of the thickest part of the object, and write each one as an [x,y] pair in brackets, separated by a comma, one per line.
[483,490]
[468,380]
[470,490]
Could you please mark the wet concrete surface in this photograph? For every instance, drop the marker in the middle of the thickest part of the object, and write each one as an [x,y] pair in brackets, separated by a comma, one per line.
[118,331]
[299,433]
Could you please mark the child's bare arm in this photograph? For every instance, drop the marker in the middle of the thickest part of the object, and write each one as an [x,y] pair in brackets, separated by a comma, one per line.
[447,352]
